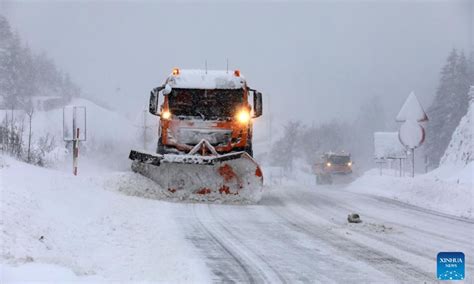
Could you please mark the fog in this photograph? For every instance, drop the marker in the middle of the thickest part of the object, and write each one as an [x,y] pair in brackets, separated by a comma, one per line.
[313,61]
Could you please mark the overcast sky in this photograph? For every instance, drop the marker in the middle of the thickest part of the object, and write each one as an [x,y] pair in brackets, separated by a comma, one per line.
[313,61]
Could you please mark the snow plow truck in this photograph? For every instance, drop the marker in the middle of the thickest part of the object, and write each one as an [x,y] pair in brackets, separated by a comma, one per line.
[331,164]
[204,148]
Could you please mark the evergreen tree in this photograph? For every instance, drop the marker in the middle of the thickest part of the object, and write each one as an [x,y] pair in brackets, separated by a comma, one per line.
[449,106]
[471,68]
[6,40]
[12,66]
[24,74]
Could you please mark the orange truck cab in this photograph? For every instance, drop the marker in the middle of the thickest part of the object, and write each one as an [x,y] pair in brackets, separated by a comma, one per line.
[196,105]
[332,164]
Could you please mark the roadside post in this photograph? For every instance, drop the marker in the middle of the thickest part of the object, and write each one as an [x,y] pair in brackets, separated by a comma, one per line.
[74,130]
[411,133]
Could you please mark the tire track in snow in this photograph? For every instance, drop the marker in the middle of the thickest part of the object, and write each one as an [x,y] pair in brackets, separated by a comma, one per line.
[227,265]
[453,239]
[381,261]
[400,245]
[257,259]
[257,270]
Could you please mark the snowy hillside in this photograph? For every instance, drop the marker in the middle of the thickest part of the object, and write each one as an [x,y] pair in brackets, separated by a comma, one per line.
[103,125]
[109,134]
[460,149]
[57,227]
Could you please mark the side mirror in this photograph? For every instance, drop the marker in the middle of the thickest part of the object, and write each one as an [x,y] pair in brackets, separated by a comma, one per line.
[153,107]
[257,104]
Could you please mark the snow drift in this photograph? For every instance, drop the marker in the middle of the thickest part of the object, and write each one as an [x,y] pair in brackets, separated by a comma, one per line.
[70,227]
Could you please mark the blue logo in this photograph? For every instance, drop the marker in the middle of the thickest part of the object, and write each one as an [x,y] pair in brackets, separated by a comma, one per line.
[450,266]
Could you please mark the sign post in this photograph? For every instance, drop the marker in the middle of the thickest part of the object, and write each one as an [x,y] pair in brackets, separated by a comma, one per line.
[411,133]
[75,130]
[387,147]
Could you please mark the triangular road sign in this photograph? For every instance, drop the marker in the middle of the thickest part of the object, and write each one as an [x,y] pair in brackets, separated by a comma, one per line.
[411,110]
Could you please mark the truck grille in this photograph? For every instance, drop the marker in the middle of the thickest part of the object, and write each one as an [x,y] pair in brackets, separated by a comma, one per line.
[192,136]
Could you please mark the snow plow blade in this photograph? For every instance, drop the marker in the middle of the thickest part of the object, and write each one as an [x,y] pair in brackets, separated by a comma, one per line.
[233,177]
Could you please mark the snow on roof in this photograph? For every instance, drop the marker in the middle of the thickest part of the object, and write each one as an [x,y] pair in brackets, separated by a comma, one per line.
[411,110]
[210,79]
[340,153]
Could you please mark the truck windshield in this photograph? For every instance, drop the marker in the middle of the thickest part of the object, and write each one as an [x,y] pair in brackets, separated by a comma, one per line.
[207,104]
[339,159]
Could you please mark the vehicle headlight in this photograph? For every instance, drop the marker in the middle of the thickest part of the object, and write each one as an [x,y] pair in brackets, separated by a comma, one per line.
[166,114]
[328,164]
[243,116]
[349,164]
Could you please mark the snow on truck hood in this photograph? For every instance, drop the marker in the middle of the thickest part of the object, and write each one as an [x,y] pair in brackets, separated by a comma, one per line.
[200,79]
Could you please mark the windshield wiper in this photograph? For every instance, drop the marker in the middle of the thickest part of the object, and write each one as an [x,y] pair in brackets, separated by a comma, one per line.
[200,114]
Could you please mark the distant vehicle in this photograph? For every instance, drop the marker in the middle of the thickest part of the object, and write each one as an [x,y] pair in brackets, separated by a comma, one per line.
[331,164]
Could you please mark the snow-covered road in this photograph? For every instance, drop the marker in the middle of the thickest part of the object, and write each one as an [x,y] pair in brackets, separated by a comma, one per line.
[302,234]
[90,226]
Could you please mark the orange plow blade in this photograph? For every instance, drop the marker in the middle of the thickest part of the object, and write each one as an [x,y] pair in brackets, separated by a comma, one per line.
[234,177]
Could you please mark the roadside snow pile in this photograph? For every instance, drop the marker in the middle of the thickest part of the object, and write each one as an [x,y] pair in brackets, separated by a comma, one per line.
[61,228]
[428,191]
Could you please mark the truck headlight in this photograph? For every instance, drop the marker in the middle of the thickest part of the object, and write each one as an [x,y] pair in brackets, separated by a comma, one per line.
[166,114]
[243,116]
[328,164]
[349,164]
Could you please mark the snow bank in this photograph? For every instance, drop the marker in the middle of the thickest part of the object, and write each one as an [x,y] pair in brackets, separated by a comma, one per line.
[438,191]
[54,223]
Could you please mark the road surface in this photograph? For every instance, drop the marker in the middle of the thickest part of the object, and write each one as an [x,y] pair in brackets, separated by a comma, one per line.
[302,235]
[91,226]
